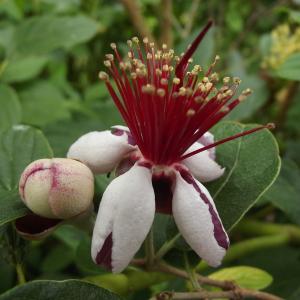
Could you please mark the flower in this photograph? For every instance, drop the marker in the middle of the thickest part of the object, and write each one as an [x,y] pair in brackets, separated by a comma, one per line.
[54,190]
[163,155]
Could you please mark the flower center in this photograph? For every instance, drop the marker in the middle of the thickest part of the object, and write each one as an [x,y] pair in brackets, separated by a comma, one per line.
[167,105]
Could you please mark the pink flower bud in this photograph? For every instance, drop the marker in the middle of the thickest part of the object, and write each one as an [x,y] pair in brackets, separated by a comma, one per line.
[57,188]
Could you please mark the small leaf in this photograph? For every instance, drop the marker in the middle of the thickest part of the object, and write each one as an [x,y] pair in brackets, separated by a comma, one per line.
[57,32]
[246,277]
[24,68]
[41,98]
[290,69]
[10,112]
[19,146]
[252,164]
[58,290]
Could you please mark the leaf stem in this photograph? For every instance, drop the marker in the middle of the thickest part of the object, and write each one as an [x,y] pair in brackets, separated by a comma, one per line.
[166,247]
[20,274]
[149,249]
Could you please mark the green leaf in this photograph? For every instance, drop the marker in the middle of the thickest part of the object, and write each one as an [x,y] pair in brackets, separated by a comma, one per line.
[260,92]
[24,68]
[59,290]
[252,164]
[284,193]
[10,112]
[246,277]
[19,146]
[294,15]
[39,35]
[41,98]
[290,69]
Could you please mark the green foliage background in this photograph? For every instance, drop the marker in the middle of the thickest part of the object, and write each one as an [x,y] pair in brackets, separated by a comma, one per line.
[50,55]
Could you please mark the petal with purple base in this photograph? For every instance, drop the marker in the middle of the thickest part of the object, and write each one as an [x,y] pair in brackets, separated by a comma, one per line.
[207,139]
[124,218]
[198,220]
[101,151]
[202,166]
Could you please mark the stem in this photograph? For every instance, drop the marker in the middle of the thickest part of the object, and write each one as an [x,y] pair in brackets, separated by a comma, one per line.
[254,228]
[166,247]
[237,294]
[191,272]
[149,249]
[137,18]
[20,274]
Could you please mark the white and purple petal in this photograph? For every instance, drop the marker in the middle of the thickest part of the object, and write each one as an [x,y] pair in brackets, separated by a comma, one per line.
[207,139]
[198,220]
[124,218]
[201,165]
[101,151]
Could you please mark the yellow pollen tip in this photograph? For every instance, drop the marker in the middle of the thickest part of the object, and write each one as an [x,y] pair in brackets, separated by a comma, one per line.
[135,40]
[161,92]
[109,57]
[237,80]
[113,46]
[226,79]
[148,89]
[129,43]
[164,81]
[107,63]
[190,113]
[145,40]
[176,80]
[103,76]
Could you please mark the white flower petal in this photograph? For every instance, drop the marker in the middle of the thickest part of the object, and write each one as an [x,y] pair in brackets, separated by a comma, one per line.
[197,219]
[201,165]
[124,218]
[206,139]
[101,151]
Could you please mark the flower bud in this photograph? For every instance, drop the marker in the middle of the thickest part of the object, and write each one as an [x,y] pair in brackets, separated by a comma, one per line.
[57,188]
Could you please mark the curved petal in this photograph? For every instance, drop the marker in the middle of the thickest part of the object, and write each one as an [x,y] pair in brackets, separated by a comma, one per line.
[197,219]
[101,151]
[202,166]
[124,218]
[206,139]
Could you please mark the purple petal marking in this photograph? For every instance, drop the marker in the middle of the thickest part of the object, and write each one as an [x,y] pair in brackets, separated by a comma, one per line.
[219,233]
[162,186]
[120,132]
[104,256]
[32,224]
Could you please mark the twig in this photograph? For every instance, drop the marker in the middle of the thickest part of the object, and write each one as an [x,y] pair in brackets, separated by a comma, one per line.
[231,290]
[20,274]
[149,249]
[166,23]
[137,18]
[166,247]
[237,294]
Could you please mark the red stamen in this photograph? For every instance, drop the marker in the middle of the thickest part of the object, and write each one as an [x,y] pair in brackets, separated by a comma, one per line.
[233,137]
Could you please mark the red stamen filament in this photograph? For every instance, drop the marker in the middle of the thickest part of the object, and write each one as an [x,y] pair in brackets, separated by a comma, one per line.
[166,108]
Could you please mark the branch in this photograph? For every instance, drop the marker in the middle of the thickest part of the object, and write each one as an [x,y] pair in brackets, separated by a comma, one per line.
[137,18]
[231,290]
[166,23]
[237,294]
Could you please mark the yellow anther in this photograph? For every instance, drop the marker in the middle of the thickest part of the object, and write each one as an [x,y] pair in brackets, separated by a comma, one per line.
[164,46]
[148,89]
[161,92]
[176,80]
[129,43]
[208,86]
[226,79]
[237,80]
[107,63]
[149,55]
[133,75]
[130,55]
[135,40]
[182,91]
[109,57]
[158,72]
[190,112]
[145,40]
[164,81]
[165,68]
[103,76]
[113,46]
[205,79]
